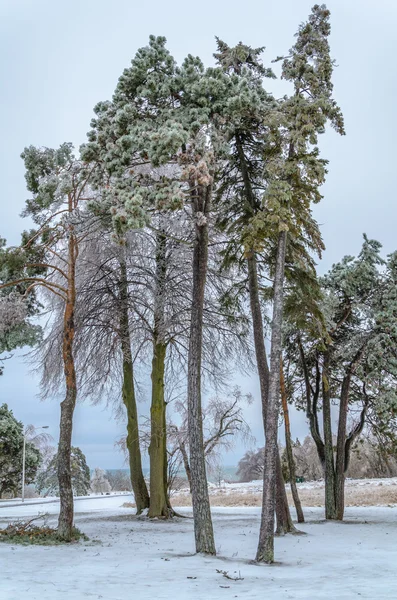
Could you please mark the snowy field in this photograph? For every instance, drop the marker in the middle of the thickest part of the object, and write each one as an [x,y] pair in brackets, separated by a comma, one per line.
[134,558]
[358,492]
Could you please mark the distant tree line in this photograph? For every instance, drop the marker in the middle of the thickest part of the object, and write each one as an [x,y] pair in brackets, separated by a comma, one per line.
[368,461]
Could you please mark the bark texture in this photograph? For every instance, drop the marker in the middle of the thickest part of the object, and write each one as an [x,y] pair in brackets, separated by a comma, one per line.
[203,531]
[340,449]
[345,440]
[284,523]
[128,394]
[159,503]
[65,520]
[265,552]
[157,448]
[329,463]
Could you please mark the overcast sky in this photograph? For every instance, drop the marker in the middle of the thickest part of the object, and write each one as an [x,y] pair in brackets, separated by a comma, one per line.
[58,59]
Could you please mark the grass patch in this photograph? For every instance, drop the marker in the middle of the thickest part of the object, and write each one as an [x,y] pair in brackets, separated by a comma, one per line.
[356,494]
[29,533]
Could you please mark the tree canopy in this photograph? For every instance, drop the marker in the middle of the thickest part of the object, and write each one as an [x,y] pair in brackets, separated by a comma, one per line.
[11,454]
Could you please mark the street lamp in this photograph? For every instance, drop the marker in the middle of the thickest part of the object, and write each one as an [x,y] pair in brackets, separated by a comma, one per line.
[24,458]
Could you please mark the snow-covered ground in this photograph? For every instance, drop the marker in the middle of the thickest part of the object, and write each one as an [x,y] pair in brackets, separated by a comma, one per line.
[358,492]
[256,486]
[55,499]
[133,558]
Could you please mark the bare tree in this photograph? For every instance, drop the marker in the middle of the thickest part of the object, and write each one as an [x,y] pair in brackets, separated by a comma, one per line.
[60,186]
[223,425]
[119,481]
[102,346]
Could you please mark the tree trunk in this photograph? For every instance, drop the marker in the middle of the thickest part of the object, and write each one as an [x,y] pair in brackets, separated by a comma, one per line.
[265,552]
[259,336]
[165,465]
[128,394]
[204,535]
[312,396]
[288,446]
[159,504]
[158,462]
[65,521]
[284,520]
[341,461]
[284,523]
[329,465]
[344,442]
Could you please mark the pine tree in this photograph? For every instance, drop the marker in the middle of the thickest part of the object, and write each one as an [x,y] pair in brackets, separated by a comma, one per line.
[17,304]
[126,144]
[345,352]
[248,112]
[11,449]
[293,185]
[124,138]
[48,482]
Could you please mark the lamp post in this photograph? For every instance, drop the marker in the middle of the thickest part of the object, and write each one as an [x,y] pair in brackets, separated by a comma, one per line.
[24,458]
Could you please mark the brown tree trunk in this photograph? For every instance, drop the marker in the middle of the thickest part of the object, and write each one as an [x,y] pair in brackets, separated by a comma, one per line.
[336,469]
[65,521]
[259,336]
[284,523]
[288,446]
[329,464]
[158,459]
[159,504]
[265,551]
[165,465]
[340,451]
[343,444]
[128,394]
[203,531]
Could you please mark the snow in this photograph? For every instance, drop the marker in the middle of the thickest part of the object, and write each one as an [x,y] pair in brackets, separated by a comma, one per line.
[256,486]
[88,501]
[142,559]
